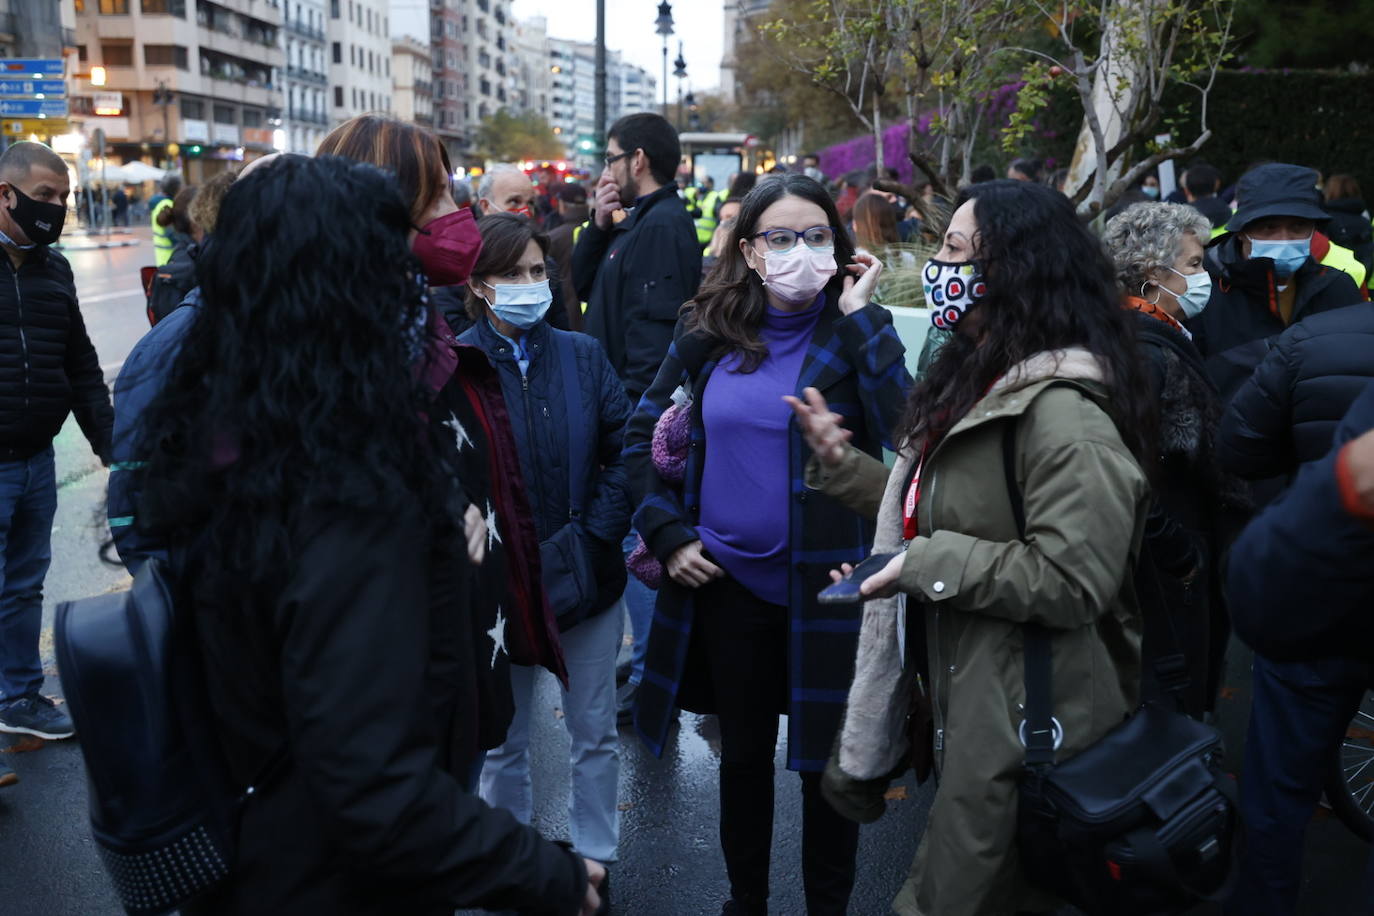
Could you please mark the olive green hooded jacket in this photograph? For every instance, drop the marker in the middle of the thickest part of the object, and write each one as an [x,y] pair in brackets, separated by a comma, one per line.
[975,582]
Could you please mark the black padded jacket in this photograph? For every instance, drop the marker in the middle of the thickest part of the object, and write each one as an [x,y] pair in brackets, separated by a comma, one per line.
[1287,412]
[48,366]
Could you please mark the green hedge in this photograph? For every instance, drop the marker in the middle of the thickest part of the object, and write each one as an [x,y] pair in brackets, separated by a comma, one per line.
[1316,118]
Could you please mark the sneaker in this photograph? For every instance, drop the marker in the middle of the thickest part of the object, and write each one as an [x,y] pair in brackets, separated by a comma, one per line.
[35,715]
[7,776]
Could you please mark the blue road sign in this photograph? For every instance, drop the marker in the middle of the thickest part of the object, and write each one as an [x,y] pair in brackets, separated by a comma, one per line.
[31,66]
[32,88]
[33,108]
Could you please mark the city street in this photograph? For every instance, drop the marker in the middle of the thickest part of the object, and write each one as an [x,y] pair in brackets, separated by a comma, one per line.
[671,863]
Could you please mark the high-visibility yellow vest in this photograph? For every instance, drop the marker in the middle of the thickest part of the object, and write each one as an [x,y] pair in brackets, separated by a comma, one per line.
[163,240]
[1344,259]
[706,223]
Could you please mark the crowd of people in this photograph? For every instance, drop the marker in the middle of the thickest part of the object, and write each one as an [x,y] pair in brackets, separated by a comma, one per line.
[408,445]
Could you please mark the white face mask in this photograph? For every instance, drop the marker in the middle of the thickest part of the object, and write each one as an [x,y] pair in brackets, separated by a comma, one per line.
[520,304]
[1195,298]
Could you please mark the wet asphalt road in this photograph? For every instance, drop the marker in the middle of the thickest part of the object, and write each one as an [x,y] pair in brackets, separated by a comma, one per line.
[670,861]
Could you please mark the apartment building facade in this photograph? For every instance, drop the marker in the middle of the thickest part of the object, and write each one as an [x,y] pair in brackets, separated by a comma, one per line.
[305,118]
[192,84]
[359,36]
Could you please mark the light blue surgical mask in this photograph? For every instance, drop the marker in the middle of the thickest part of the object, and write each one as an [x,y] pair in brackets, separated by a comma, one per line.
[1199,292]
[1150,191]
[1287,254]
[521,304]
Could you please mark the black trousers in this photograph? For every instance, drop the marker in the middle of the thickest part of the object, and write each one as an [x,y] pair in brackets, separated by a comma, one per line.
[744,644]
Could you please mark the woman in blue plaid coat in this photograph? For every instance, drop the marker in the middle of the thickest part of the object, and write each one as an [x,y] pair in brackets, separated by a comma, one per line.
[738,631]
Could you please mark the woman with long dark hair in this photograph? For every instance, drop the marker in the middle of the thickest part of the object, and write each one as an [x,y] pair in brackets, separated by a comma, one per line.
[738,629]
[295,462]
[1040,389]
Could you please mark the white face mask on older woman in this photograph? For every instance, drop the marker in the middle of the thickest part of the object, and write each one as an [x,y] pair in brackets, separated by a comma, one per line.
[1195,298]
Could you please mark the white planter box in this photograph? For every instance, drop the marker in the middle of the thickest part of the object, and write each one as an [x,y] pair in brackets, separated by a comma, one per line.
[911,326]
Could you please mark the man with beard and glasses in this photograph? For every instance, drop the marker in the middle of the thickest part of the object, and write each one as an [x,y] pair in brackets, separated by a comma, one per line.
[635,265]
[51,369]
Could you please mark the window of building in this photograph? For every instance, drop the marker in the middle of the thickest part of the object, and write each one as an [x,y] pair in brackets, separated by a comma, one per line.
[338,96]
[333,9]
[252,117]
[369,20]
[352,56]
[114,8]
[117,55]
[485,86]
[166,56]
[338,52]
[165,7]
[387,63]
[193,109]
[81,53]
[225,114]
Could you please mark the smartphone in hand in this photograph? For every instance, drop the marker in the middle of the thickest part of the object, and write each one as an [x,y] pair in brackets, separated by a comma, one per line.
[846,591]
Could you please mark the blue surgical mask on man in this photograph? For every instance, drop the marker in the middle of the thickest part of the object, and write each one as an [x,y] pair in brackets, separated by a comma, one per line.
[1287,254]
[520,304]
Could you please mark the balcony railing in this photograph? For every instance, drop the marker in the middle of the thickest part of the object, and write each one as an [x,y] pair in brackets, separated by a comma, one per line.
[305,31]
[307,117]
[309,76]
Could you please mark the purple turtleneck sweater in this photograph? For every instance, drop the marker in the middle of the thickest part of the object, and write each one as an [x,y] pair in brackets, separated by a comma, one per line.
[745,483]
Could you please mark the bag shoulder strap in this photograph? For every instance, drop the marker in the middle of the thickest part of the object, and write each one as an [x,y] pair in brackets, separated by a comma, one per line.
[1038,728]
[572,397]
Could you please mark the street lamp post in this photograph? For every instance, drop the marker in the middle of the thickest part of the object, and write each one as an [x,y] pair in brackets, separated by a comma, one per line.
[163,97]
[665,28]
[679,71]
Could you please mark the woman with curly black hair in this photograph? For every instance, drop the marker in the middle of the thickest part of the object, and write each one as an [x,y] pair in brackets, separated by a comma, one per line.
[294,464]
[1042,387]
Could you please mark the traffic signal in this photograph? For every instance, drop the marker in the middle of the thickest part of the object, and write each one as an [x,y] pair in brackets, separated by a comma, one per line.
[193,150]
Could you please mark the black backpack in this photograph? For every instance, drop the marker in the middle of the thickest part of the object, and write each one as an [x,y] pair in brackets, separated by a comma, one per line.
[171,283]
[164,810]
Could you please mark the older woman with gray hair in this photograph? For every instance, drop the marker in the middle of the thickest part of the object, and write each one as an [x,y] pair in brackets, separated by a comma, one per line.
[1198,510]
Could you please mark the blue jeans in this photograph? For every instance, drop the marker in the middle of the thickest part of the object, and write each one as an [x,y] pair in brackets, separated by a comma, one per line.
[590,649]
[1299,715]
[639,605]
[28,502]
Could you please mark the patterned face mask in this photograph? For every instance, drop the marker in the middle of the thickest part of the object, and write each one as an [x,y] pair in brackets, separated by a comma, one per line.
[951,289]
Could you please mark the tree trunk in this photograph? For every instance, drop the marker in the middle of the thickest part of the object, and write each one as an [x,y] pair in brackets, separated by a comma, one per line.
[1108,101]
[878,136]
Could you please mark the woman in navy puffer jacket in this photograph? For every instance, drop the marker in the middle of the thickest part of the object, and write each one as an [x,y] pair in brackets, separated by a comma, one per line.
[568,410]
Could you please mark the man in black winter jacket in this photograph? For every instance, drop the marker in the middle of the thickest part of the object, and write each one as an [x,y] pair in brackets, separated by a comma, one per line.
[635,264]
[48,369]
[1263,276]
[638,261]
[1283,419]
[1301,588]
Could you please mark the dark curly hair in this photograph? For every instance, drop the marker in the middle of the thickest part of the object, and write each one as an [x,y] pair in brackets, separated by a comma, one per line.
[731,303]
[295,385]
[1050,286]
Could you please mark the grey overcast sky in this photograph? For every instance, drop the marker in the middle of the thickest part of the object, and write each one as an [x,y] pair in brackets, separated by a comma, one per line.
[698,24]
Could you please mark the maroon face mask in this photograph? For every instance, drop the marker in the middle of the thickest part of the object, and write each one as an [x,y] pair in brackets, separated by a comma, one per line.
[448,247]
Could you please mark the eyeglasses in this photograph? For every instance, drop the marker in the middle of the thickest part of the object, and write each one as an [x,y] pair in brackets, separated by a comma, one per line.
[612,160]
[817,237]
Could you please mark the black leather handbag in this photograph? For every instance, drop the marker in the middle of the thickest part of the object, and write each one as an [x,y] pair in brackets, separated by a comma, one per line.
[164,810]
[1142,822]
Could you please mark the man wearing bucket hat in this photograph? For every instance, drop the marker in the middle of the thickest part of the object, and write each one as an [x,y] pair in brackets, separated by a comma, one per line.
[1263,275]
